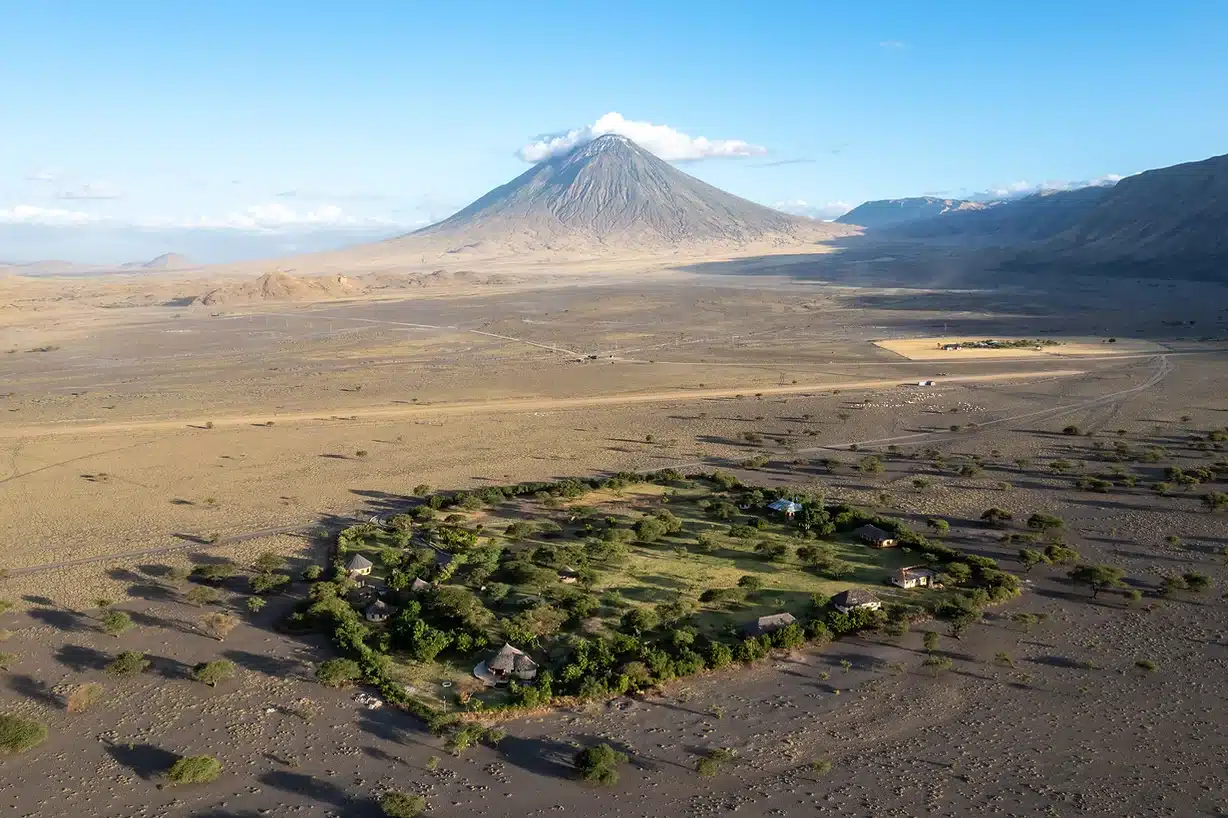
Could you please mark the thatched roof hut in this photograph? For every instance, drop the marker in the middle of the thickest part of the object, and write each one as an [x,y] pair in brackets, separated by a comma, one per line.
[511,662]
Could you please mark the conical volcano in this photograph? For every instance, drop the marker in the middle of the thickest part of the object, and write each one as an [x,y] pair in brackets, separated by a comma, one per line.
[611,195]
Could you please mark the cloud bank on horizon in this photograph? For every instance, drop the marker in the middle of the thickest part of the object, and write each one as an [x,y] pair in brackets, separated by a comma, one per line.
[1017,190]
[666,142]
[826,211]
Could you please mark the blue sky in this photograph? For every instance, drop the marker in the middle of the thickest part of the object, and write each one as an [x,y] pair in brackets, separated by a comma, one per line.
[132,126]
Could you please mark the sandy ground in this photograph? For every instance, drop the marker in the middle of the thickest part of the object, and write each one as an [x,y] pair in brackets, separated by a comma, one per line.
[106,456]
[930,349]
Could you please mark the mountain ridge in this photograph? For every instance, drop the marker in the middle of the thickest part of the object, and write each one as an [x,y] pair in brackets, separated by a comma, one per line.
[881,213]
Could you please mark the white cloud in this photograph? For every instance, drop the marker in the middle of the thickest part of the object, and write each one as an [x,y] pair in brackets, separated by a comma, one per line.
[262,218]
[92,190]
[827,211]
[43,175]
[51,216]
[1017,190]
[892,44]
[662,140]
[278,217]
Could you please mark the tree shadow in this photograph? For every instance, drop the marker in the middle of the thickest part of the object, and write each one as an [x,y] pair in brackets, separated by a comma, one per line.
[395,726]
[261,663]
[1063,662]
[151,592]
[168,668]
[146,760]
[145,620]
[60,619]
[304,785]
[80,658]
[384,756]
[31,688]
[541,756]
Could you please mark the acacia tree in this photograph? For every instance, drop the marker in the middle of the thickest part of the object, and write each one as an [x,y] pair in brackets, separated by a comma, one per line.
[959,613]
[1061,555]
[997,517]
[1045,522]
[1097,577]
[1031,558]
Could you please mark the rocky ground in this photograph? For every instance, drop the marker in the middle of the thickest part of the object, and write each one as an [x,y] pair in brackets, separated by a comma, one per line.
[1066,723]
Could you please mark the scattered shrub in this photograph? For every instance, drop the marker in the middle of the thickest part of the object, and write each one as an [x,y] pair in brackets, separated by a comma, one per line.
[201,595]
[599,765]
[219,670]
[17,735]
[397,804]
[218,624]
[194,770]
[128,663]
[81,697]
[338,672]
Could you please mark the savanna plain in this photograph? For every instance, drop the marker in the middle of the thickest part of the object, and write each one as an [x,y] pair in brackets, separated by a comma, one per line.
[143,440]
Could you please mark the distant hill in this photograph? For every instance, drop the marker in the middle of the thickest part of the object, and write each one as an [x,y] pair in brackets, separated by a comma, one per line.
[1030,218]
[1169,222]
[279,286]
[882,213]
[1172,220]
[49,267]
[610,195]
[166,261]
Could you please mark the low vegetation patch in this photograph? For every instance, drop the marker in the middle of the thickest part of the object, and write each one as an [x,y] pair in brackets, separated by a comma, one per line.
[17,735]
[194,770]
[215,672]
[82,697]
[599,765]
[128,663]
[397,804]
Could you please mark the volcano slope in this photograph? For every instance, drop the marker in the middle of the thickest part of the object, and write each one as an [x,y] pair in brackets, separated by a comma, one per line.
[607,199]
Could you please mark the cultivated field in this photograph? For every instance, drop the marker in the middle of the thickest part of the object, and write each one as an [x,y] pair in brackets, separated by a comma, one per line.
[930,349]
[152,440]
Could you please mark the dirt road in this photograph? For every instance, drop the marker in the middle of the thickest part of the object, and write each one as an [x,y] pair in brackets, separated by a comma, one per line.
[497,405]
